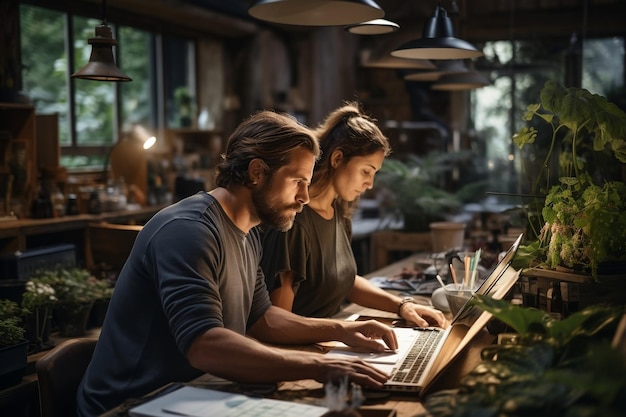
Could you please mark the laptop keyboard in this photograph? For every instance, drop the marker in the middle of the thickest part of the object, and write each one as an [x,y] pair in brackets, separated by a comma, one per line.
[413,365]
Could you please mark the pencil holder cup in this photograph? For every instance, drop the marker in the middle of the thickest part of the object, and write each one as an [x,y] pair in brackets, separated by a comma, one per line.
[457,296]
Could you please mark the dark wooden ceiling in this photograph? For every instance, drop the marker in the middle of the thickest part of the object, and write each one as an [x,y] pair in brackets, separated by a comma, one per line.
[474,20]
[482,20]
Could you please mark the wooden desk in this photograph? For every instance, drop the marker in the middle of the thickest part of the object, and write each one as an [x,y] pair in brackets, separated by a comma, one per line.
[377,403]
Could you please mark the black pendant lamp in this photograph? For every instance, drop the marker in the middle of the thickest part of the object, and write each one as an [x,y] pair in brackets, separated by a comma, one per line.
[316,12]
[101,65]
[441,68]
[438,41]
[458,82]
[391,62]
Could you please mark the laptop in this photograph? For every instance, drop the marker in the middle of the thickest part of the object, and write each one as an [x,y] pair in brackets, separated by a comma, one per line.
[424,353]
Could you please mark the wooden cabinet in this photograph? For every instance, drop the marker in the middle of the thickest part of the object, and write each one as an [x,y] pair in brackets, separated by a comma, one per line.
[18,161]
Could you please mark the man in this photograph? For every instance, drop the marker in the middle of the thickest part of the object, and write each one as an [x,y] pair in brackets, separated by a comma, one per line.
[192,290]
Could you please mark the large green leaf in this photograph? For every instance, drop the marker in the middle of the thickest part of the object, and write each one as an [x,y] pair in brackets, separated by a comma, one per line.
[529,321]
[524,321]
[552,96]
[576,108]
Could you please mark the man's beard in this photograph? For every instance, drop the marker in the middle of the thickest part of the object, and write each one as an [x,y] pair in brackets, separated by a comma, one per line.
[271,213]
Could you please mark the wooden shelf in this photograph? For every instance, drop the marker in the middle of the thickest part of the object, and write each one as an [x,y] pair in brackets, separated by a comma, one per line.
[22,234]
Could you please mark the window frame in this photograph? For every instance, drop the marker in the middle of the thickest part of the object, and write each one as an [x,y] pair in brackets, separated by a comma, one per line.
[158,78]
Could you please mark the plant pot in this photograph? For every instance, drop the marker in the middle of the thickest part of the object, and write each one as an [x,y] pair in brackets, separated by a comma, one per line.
[72,319]
[13,363]
[447,236]
[37,326]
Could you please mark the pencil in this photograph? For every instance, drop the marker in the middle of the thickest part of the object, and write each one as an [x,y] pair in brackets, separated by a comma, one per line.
[467,270]
[453,273]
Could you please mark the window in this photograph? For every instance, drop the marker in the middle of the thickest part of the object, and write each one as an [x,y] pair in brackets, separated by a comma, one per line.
[92,114]
[518,71]
[139,105]
[518,77]
[603,66]
[45,70]
[179,81]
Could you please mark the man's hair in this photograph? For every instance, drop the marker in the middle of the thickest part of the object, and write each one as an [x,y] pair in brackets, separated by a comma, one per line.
[266,135]
[352,132]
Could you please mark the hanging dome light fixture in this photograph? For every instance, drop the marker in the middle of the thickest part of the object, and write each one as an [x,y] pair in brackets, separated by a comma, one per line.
[316,12]
[373,27]
[437,41]
[457,82]
[441,68]
[101,65]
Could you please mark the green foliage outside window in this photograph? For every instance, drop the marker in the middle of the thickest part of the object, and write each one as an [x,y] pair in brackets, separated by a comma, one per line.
[46,80]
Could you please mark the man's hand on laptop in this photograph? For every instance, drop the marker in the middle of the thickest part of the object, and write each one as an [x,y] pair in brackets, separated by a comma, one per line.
[423,316]
[335,369]
[367,335]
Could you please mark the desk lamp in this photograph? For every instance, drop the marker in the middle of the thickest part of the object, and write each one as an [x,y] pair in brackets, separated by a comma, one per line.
[128,158]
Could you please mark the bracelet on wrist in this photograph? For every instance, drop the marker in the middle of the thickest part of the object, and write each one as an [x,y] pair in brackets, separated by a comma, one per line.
[404,301]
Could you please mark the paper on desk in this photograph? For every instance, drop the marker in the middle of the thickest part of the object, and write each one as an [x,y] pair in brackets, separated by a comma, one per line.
[411,286]
[200,402]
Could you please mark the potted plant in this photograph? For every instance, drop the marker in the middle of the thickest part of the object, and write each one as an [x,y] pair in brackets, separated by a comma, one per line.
[412,189]
[38,300]
[547,368]
[582,223]
[13,345]
[76,289]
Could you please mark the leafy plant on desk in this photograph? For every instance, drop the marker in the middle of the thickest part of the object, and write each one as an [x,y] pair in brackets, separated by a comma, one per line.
[38,300]
[11,329]
[557,368]
[585,223]
[581,224]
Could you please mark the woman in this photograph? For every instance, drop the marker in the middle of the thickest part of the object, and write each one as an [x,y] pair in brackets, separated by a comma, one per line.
[311,269]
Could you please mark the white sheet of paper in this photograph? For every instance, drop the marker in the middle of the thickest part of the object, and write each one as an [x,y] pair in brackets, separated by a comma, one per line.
[200,402]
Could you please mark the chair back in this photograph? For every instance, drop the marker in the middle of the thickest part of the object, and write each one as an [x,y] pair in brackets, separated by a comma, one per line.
[59,374]
[109,244]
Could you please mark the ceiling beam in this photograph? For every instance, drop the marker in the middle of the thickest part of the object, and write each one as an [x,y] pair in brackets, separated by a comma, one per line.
[605,21]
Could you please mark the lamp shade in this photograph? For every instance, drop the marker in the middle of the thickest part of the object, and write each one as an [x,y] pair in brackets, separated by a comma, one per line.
[452,66]
[437,41]
[456,82]
[373,27]
[316,12]
[101,65]
[391,62]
